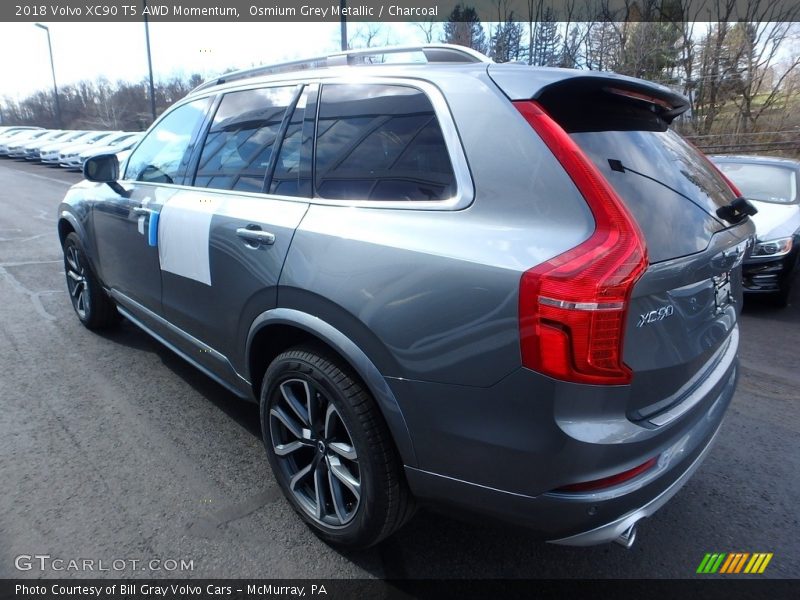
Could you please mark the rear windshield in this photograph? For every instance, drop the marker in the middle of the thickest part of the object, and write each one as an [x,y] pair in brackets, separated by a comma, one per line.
[663,156]
[768,183]
[671,190]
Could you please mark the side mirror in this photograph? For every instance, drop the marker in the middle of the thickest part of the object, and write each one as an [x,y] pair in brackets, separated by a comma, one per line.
[104,168]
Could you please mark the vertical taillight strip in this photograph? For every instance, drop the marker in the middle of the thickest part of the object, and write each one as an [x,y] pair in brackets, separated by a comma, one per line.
[573,307]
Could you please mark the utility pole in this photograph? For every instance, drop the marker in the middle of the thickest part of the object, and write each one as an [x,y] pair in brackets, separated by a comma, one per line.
[343,25]
[53,71]
[149,62]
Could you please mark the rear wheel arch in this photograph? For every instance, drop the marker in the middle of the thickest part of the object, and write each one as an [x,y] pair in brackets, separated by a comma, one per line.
[280,329]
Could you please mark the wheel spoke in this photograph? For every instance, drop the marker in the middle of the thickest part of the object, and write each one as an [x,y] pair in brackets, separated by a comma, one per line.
[344,476]
[286,449]
[300,475]
[74,276]
[344,450]
[298,405]
[313,408]
[72,259]
[330,414]
[319,484]
[295,429]
[336,495]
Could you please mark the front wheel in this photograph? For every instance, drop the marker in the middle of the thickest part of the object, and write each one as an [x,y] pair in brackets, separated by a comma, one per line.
[91,303]
[331,451]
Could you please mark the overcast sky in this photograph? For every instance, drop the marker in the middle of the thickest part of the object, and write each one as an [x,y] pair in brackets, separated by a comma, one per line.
[117,50]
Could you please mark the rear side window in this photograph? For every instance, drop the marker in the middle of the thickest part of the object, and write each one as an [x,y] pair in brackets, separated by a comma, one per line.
[380,142]
[239,144]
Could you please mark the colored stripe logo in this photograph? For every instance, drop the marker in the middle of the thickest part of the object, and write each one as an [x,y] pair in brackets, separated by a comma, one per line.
[734,562]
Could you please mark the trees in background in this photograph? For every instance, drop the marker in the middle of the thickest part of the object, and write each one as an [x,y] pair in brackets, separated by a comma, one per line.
[740,76]
[99,104]
[463,27]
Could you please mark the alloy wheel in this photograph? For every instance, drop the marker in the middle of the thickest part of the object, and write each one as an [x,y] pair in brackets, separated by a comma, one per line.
[76,280]
[315,451]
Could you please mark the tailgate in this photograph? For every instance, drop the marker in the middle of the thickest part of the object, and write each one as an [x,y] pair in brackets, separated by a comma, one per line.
[682,315]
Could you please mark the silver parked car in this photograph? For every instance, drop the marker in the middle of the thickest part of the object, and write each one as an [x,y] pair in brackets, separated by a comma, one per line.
[446,282]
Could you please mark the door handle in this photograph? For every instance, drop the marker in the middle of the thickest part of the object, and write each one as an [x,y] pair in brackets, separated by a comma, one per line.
[256,236]
[141,210]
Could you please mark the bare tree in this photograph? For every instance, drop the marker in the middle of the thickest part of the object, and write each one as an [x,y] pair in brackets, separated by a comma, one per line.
[760,39]
[429,29]
[370,35]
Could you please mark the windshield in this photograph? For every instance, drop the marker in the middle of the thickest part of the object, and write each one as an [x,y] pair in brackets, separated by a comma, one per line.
[767,183]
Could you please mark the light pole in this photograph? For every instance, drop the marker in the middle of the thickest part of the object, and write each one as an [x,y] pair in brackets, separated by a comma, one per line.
[53,71]
[343,24]
[149,63]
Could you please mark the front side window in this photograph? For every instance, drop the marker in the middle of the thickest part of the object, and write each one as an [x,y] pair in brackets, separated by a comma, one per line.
[238,147]
[162,155]
[380,142]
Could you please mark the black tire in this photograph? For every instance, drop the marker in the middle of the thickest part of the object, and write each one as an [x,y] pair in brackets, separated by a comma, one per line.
[352,426]
[91,303]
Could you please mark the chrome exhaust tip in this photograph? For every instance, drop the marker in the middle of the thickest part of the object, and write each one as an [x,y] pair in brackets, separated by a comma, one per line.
[627,537]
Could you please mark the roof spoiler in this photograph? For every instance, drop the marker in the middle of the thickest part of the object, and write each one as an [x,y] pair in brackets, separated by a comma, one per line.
[524,83]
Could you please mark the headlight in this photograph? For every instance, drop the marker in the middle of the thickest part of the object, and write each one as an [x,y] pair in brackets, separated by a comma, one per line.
[778,247]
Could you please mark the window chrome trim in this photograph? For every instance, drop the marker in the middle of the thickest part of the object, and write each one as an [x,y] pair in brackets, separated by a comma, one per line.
[465,190]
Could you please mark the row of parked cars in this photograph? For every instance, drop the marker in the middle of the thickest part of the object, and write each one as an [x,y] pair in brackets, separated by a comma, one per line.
[66,148]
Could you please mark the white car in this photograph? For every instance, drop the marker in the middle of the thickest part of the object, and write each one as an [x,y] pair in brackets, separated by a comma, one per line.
[115,146]
[18,138]
[19,149]
[773,186]
[32,149]
[68,157]
[53,146]
[51,155]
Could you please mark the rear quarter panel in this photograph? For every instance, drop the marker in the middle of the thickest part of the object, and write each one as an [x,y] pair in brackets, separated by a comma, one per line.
[433,295]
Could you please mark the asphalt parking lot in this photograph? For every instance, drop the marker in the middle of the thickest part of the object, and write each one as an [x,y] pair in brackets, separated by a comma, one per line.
[112,447]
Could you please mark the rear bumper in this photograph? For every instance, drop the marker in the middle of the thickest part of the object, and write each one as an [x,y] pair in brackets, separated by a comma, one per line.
[613,530]
[485,468]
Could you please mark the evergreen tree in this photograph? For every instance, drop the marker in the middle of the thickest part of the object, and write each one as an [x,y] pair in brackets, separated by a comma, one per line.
[463,27]
[546,43]
[506,42]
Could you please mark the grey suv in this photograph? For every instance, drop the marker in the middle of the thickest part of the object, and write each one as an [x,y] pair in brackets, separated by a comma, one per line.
[502,289]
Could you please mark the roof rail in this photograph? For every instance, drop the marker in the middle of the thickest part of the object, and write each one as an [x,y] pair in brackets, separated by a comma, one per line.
[434,53]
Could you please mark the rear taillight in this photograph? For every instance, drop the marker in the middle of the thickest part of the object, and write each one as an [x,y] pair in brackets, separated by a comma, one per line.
[573,308]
